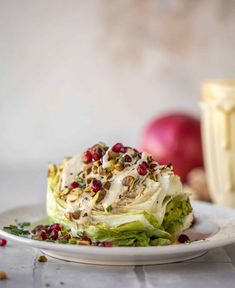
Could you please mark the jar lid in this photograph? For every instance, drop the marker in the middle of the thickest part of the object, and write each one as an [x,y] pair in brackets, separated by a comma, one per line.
[218,89]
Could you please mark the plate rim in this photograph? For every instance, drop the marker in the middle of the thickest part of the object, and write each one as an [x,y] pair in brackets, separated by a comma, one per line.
[131,251]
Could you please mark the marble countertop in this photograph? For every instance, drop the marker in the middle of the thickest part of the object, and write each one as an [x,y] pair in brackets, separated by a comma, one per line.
[215,269]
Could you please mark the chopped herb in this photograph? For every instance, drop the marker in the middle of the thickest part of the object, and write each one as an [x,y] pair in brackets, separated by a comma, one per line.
[24,224]
[79,173]
[73,241]
[80,180]
[63,241]
[134,154]
[122,160]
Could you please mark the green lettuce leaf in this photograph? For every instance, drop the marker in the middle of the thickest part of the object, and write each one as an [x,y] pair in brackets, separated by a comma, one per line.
[160,242]
[176,211]
[112,220]
[130,234]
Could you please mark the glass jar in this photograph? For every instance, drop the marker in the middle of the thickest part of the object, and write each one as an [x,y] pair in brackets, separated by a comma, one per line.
[218,136]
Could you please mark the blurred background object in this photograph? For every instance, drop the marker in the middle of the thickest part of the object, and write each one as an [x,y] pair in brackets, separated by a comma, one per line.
[197,185]
[175,138]
[218,131]
[75,72]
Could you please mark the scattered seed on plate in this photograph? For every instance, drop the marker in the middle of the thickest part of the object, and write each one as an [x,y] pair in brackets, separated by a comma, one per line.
[42,258]
[3,242]
[183,238]
[3,276]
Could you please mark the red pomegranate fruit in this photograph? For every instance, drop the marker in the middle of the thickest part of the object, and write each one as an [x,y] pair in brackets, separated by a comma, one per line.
[175,138]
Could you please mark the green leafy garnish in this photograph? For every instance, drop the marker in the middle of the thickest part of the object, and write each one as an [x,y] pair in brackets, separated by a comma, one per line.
[23,224]
[18,229]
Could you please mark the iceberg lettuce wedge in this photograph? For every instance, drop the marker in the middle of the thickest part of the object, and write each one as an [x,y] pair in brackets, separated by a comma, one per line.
[118,205]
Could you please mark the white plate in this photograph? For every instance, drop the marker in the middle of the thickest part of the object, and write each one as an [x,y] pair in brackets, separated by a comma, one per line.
[213,223]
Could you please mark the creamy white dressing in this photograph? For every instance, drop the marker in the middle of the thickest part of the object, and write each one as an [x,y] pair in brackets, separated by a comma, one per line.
[83,204]
[145,156]
[106,163]
[116,189]
[71,168]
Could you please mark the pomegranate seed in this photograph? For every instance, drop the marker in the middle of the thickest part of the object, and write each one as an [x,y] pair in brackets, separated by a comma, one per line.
[127,158]
[96,185]
[42,234]
[3,242]
[55,226]
[96,156]
[117,147]
[123,149]
[87,157]
[96,149]
[38,227]
[86,238]
[74,185]
[145,164]
[97,153]
[105,244]
[142,168]
[183,238]
[54,235]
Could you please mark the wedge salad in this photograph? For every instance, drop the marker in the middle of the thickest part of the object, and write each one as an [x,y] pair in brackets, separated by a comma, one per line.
[117,195]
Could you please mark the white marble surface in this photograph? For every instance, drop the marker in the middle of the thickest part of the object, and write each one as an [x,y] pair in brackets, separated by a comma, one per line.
[214,269]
